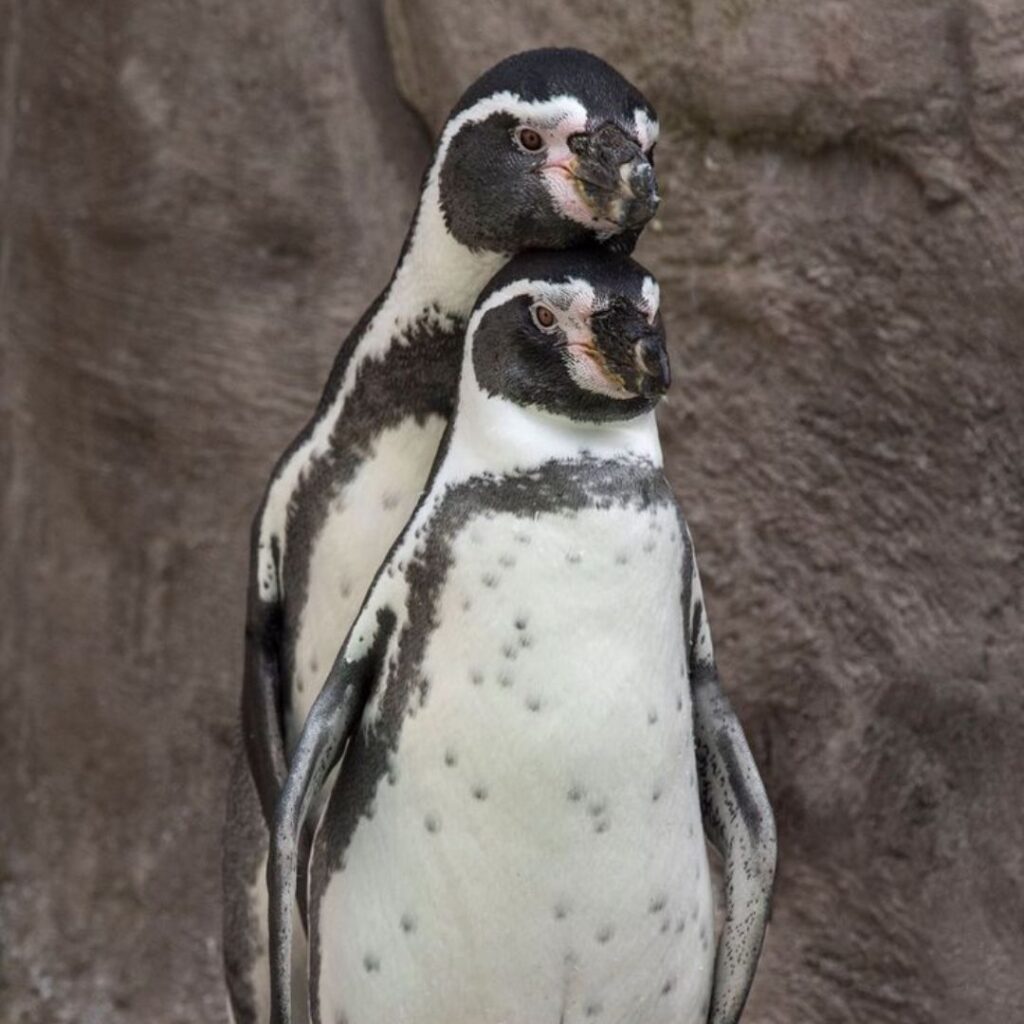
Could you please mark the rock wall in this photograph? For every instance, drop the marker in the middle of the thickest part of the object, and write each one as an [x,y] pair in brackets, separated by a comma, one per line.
[198,202]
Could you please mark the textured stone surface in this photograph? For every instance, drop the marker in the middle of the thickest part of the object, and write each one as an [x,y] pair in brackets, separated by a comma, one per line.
[197,200]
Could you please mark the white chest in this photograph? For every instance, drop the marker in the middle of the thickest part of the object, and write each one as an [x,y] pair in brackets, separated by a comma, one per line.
[362,522]
[537,855]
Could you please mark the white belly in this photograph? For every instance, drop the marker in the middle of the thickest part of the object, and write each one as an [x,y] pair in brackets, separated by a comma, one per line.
[539,857]
[363,521]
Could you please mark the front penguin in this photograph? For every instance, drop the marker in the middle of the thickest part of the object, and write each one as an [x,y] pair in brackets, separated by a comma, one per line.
[537,743]
[550,148]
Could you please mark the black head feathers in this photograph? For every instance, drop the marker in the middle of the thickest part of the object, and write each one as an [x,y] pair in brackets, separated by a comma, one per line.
[548,149]
[575,333]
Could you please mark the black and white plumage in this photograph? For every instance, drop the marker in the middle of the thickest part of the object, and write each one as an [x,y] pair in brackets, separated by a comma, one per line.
[550,148]
[535,731]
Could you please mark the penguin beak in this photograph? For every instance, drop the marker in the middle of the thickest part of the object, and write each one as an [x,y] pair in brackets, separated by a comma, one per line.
[654,373]
[633,353]
[614,178]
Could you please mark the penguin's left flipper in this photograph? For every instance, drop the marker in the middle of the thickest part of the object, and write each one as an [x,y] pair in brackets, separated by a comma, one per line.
[332,720]
[737,819]
[262,692]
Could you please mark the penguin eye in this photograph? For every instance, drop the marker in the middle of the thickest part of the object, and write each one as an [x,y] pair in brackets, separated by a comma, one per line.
[529,139]
[543,316]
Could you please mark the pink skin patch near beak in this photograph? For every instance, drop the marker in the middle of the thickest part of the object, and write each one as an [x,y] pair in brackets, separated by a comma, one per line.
[584,361]
[564,192]
[560,180]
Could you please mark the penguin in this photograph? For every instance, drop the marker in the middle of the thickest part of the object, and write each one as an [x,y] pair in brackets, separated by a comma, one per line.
[549,149]
[532,737]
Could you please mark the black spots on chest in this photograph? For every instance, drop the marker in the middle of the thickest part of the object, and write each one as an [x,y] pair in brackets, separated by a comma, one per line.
[555,487]
[595,808]
[478,790]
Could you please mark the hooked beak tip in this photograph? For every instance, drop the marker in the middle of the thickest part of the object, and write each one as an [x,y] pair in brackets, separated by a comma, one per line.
[643,199]
[656,374]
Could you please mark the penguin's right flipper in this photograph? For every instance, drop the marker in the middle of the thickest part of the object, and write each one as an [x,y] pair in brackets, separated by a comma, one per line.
[332,719]
[262,690]
[737,819]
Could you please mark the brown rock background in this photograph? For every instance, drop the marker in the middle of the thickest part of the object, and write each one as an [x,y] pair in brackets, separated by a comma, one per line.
[197,200]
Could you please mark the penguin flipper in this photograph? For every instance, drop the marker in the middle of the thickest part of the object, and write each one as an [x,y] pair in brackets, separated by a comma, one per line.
[332,720]
[738,822]
[262,691]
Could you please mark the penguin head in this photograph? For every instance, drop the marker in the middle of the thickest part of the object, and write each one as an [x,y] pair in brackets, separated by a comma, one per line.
[549,149]
[576,333]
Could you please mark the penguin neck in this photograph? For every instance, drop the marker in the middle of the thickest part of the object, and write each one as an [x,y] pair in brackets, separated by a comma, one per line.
[437,280]
[491,435]
[438,271]
[431,293]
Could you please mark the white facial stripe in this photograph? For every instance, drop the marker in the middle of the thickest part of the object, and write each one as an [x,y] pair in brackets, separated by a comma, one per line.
[581,298]
[651,297]
[543,114]
[571,295]
[646,129]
